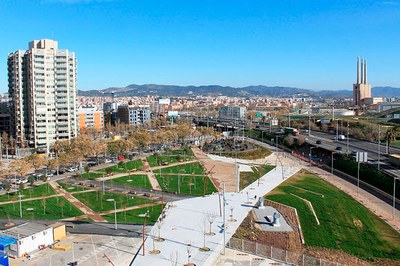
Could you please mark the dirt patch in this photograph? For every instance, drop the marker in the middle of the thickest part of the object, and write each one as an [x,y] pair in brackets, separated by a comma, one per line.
[221,172]
[358,223]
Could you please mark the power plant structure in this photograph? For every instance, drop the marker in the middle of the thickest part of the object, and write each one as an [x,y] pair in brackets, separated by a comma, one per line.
[361,89]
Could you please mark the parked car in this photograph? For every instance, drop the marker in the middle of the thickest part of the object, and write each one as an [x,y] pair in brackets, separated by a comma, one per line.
[318,142]
[107,160]
[338,148]
[72,169]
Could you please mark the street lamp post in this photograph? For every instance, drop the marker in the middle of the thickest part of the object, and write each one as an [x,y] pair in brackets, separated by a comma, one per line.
[309,124]
[394,197]
[20,205]
[332,163]
[347,139]
[115,213]
[311,154]
[379,147]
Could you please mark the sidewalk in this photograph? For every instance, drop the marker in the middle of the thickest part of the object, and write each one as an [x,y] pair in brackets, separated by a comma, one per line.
[85,209]
[152,178]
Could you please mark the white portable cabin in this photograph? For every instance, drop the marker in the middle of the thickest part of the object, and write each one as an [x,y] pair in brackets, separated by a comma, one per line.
[31,237]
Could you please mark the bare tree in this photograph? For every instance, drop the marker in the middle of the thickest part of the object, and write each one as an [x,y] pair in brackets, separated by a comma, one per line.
[211,218]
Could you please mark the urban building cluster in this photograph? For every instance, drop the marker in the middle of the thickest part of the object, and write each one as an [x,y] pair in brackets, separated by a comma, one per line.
[42,104]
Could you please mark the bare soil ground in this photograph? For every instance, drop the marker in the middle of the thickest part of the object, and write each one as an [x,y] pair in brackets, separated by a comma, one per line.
[221,172]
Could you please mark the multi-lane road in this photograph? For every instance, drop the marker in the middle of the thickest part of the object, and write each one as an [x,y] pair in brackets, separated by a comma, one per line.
[376,154]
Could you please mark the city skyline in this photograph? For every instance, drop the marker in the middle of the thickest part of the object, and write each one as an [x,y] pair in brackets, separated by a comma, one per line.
[309,45]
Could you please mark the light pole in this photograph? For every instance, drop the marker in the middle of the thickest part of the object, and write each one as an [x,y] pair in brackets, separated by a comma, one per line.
[347,139]
[311,154]
[379,147]
[394,197]
[20,205]
[115,213]
[309,124]
[144,215]
[332,163]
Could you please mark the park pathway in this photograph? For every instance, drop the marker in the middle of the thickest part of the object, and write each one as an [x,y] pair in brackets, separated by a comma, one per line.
[131,208]
[85,209]
[31,199]
[150,175]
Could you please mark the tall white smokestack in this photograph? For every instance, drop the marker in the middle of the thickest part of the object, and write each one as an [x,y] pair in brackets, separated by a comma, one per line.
[362,71]
[365,71]
[358,70]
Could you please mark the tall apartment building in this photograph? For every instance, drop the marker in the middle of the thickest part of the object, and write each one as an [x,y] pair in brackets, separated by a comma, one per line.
[90,117]
[232,112]
[132,115]
[42,92]
[361,89]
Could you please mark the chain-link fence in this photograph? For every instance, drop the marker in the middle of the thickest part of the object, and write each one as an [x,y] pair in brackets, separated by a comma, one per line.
[278,254]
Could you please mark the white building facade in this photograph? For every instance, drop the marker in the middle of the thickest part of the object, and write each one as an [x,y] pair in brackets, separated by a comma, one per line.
[42,85]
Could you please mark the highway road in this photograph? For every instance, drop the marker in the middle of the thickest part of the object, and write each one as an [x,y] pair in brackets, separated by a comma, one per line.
[328,143]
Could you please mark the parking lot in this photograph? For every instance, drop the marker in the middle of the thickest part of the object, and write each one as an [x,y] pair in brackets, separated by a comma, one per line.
[86,250]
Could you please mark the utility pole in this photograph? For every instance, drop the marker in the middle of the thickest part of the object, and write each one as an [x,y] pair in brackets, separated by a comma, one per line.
[347,139]
[379,147]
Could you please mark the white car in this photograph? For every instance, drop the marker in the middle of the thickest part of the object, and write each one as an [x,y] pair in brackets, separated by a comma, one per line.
[72,169]
[108,161]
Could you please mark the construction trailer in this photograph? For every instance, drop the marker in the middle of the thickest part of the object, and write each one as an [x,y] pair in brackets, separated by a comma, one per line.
[30,237]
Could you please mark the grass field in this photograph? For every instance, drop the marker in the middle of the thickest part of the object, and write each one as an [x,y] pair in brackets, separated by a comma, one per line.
[345,224]
[71,188]
[125,167]
[246,178]
[133,180]
[172,156]
[36,191]
[132,216]
[56,208]
[98,202]
[257,153]
[169,183]
[189,168]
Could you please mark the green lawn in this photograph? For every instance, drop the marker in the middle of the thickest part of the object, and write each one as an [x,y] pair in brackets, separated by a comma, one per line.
[345,224]
[189,168]
[257,153]
[166,159]
[133,180]
[56,208]
[36,191]
[98,202]
[71,188]
[132,216]
[246,178]
[124,167]
[169,183]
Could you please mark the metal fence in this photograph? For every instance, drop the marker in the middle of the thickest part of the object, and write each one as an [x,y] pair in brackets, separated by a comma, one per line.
[277,253]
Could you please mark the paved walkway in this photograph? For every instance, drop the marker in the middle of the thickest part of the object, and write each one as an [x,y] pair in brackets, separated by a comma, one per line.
[30,199]
[186,222]
[131,208]
[152,178]
[85,209]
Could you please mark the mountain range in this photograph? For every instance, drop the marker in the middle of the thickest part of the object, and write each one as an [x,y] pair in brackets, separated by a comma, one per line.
[216,90]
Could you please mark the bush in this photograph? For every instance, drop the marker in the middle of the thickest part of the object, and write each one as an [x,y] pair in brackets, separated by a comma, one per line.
[368,174]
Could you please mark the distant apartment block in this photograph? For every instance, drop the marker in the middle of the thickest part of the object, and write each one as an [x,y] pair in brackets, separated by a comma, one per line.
[42,92]
[132,115]
[90,117]
[232,112]
[4,118]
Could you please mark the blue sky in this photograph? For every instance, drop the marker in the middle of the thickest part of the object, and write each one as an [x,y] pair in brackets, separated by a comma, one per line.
[305,44]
